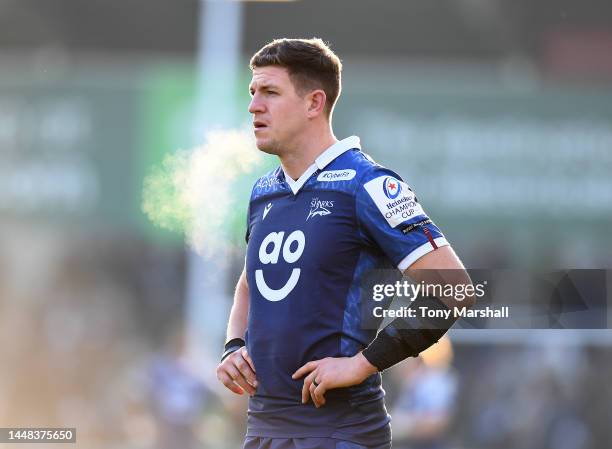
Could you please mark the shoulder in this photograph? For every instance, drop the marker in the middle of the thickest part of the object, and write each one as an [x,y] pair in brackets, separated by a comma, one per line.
[360,169]
[382,189]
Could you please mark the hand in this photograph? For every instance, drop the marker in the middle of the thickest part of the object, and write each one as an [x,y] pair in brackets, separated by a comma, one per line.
[330,373]
[237,372]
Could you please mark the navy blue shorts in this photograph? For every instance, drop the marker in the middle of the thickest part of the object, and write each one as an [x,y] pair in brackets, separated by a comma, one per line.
[304,443]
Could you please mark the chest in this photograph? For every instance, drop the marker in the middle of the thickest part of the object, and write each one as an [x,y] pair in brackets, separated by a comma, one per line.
[313,230]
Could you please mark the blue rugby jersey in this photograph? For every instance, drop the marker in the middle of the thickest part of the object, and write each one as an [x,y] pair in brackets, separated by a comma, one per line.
[309,243]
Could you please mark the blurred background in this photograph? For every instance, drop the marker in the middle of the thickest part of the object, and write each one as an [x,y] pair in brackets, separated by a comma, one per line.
[497,113]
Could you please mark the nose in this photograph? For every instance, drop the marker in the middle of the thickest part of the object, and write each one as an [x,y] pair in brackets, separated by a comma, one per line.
[256,105]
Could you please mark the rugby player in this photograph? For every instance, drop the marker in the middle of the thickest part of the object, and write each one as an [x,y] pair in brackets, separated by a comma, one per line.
[316,224]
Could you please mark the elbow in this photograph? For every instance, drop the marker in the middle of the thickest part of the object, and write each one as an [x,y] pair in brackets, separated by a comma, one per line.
[465,292]
[467,300]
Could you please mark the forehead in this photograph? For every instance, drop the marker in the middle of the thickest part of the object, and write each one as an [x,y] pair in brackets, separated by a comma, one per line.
[269,76]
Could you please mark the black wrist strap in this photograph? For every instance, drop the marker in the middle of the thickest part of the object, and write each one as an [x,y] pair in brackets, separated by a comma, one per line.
[232,346]
[407,337]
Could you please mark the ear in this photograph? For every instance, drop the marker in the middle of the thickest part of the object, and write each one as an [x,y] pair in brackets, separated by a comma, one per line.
[316,103]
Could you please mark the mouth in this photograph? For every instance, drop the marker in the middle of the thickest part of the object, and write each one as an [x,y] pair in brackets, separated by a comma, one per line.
[259,126]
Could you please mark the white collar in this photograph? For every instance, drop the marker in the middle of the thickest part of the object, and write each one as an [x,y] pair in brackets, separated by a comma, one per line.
[322,161]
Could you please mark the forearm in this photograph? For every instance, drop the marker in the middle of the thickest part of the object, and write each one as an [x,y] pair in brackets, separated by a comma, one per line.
[237,323]
[407,337]
[236,369]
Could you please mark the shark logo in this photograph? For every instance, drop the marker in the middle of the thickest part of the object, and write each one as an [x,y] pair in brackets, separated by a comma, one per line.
[319,208]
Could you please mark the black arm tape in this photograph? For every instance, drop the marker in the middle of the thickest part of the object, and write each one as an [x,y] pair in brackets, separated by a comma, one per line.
[408,337]
[232,346]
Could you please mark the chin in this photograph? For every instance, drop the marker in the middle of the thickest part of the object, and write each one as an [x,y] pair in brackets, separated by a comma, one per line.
[267,146]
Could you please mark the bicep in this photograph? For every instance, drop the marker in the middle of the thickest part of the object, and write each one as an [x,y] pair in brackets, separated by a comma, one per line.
[442,258]
[441,266]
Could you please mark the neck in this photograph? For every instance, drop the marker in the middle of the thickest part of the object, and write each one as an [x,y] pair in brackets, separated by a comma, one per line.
[304,152]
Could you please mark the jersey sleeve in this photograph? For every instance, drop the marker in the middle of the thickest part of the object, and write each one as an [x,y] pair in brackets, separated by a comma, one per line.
[391,218]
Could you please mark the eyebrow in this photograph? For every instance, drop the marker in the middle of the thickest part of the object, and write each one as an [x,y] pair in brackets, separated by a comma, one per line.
[263,86]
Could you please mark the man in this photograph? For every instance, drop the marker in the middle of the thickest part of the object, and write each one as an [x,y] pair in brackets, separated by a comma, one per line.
[316,224]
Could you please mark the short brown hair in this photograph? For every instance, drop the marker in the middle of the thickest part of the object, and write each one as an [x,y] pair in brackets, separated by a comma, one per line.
[310,62]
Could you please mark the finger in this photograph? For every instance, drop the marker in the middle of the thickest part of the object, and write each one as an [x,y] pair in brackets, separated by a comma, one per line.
[226,379]
[305,392]
[306,387]
[239,379]
[247,357]
[245,369]
[311,391]
[319,394]
[305,369]
[229,383]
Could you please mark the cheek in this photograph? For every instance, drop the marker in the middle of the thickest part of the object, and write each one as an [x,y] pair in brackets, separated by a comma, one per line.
[291,117]
[290,125]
